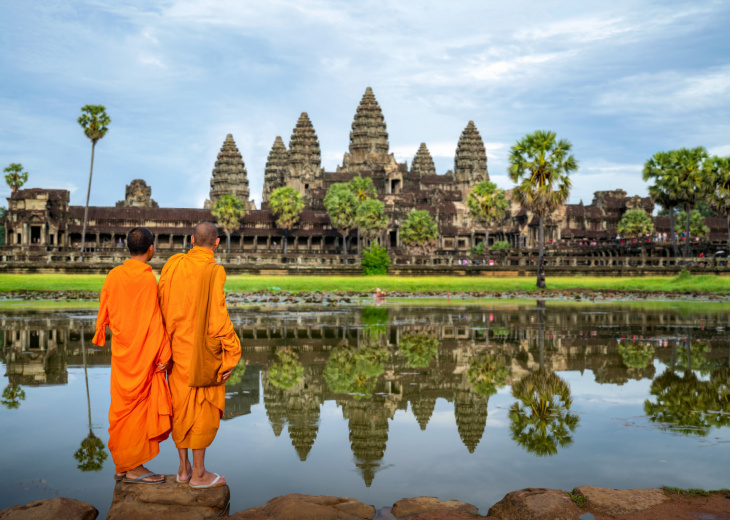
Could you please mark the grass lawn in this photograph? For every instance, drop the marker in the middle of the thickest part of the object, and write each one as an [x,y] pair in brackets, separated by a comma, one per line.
[704,283]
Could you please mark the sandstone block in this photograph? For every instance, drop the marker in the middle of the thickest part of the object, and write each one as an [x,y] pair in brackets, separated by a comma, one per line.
[415,506]
[56,508]
[308,507]
[536,504]
[167,500]
[620,501]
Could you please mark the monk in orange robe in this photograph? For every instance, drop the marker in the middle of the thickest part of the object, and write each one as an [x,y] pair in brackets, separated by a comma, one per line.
[197,411]
[140,415]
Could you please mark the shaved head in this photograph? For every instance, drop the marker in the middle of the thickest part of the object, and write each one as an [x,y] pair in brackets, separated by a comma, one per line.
[205,235]
[139,241]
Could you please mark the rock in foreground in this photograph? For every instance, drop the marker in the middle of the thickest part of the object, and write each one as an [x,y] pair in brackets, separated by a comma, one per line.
[414,507]
[308,507]
[167,500]
[56,508]
[614,502]
[536,504]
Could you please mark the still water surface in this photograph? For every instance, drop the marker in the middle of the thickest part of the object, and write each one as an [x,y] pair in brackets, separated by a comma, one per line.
[384,403]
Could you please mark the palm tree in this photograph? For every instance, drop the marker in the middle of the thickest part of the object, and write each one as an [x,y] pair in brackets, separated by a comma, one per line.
[681,176]
[91,454]
[363,189]
[635,222]
[228,211]
[718,176]
[419,231]
[371,218]
[487,374]
[488,205]
[15,176]
[541,165]
[288,204]
[541,418]
[341,205]
[95,123]
[669,203]
[697,226]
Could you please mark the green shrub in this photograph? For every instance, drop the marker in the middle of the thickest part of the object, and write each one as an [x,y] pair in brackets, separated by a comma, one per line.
[375,261]
[477,249]
[500,245]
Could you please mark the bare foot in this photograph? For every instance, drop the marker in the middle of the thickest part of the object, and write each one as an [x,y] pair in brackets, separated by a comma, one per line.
[207,480]
[141,470]
[185,474]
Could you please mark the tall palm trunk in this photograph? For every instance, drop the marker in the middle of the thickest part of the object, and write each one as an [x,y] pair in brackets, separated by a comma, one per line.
[86,208]
[541,332]
[672,233]
[541,254]
[486,241]
[686,234]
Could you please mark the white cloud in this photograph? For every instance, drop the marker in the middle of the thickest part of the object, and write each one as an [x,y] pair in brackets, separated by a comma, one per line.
[722,150]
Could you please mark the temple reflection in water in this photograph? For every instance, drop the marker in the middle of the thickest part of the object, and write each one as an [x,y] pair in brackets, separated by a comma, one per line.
[373,362]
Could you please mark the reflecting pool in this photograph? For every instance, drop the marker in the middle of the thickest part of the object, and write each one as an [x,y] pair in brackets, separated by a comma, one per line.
[381,403]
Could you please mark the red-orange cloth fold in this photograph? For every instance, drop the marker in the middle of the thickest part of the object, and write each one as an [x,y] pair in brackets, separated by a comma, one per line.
[196,411]
[140,415]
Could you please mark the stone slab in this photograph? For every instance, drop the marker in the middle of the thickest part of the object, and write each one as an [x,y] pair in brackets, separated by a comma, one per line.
[57,508]
[620,501]
[415,506]
[308,507]
[536,504]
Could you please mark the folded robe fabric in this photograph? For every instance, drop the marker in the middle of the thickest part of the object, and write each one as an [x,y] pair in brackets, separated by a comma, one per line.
[196,410]
[207,356]
[140,414]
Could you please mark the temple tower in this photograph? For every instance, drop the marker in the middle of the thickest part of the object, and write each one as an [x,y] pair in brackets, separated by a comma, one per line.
[470,163]
[276,168]
[470,411]
[368,139]
[138,195]
[423,162]
[304,170]
[423,410]
[229,175]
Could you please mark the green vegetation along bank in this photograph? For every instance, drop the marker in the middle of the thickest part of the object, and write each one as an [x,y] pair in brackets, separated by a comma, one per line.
[683,283]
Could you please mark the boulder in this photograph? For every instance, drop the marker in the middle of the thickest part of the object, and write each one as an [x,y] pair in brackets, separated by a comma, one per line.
[56,508]
[308,507]
[614,502]
[407,507]
[536,504]
[167,500]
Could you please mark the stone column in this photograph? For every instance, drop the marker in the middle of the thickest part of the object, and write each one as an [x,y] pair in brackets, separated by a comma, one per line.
[170,242]
[185,242]
[43,234]
[98,241]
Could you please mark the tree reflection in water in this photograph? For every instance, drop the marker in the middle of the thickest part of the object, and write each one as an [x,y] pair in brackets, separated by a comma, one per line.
[355,370]
[685,404]
[487,373]
[419,349]
[541,420]
[636,355]
[91,455]
[286,372]
[12,395]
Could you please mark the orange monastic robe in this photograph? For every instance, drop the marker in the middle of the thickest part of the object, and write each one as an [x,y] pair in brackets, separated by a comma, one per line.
[196,411]
[141,408]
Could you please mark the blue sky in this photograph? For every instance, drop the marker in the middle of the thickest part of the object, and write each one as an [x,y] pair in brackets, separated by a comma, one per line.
[621,80]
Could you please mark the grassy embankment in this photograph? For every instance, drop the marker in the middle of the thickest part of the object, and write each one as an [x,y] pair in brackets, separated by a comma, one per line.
[238,283]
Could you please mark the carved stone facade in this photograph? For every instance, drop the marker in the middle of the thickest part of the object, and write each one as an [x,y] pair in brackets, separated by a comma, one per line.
[275,173]
[304,164]
[423,162]
[229,175]
[137,195]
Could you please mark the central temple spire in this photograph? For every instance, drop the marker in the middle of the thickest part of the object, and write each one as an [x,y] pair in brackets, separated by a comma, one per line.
[229,175]
[368,138]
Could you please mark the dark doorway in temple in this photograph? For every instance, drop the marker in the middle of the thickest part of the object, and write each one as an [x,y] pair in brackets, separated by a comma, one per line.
[35,234]
[395,186]
[394,238]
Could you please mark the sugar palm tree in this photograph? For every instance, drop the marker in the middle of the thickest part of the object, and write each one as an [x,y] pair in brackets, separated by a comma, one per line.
[419,231]
[488,205]
[15,177]
[541,164]
[228,211]
[363,189]
[371,218]
[287,205]
[718,176]
[487,373]
[669,203]
[341,205]
[95,122]
[681,175]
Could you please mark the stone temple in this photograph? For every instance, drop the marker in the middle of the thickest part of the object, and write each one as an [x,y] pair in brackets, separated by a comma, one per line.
[43,217]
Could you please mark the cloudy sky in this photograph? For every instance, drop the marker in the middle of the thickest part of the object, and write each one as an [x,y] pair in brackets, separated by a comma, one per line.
[621,80]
